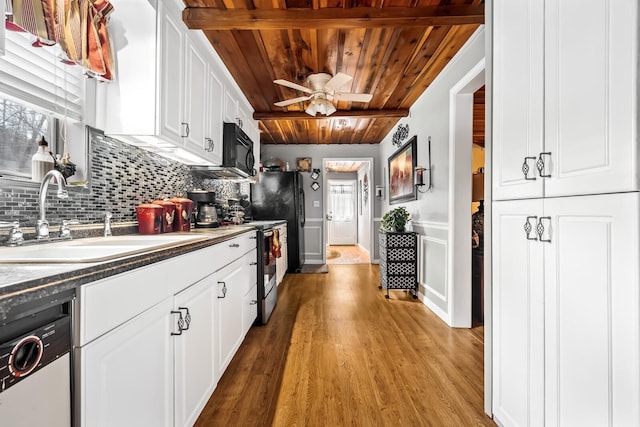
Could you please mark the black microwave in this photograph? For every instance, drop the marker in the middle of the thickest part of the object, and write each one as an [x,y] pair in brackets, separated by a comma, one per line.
[237,151]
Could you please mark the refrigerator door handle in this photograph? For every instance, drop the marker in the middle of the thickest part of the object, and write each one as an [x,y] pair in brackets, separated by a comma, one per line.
[302,213]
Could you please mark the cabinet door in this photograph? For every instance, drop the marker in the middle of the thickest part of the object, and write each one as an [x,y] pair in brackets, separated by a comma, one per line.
[195,99]
[592,333]
[591,100]
[127,375]
[249,309]
[215,103]
[517,97]
[195,364]
[229,294]
[518,316]
[172,53]
[230,107]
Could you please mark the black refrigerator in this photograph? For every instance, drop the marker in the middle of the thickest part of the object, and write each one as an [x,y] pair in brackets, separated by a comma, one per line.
[279,195]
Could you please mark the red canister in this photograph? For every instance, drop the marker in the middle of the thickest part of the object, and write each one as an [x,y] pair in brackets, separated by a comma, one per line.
[168,214]
[149,218]
[184,207]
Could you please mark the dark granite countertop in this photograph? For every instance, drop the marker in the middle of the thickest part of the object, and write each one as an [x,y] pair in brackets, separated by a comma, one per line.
[24,283]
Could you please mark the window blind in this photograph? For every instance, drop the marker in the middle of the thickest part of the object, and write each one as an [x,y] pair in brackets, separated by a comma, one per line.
[37,76]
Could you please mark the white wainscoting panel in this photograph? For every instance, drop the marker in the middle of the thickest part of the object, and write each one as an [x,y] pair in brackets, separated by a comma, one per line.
[313,240]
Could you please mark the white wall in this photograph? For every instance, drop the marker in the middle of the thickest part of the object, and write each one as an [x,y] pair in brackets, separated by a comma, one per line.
[430,212]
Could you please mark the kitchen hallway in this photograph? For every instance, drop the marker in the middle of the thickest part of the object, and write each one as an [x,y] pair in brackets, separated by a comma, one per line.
[336,352]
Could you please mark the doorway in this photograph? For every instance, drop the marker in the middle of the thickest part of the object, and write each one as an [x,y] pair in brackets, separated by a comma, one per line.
[348,210]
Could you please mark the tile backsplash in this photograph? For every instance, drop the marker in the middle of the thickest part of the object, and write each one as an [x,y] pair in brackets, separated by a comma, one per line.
[122,177]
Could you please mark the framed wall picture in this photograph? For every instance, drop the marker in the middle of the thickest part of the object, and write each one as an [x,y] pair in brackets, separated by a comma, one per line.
[315,174]
[303,164]
[402,163]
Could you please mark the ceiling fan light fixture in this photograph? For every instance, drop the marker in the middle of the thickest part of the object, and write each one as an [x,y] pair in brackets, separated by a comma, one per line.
[320,105]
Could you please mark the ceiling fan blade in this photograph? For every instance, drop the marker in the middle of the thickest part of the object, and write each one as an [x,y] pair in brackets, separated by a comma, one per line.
[357,97]
[337,81]
[292,101]
[292,85]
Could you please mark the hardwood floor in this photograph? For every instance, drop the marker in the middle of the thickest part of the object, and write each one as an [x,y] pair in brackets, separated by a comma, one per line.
[336,352]
[346,254]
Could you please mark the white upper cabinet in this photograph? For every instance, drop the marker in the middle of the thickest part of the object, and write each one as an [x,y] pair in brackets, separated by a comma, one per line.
[517,98]
[565,98]
[591,98]
[172,75]
[171,88]
[213,132]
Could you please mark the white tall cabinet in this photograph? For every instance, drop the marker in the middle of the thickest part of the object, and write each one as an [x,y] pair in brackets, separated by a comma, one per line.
[565,213]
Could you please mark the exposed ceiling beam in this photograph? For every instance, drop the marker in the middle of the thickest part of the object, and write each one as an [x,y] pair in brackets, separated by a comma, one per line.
[361,114]
[207,18]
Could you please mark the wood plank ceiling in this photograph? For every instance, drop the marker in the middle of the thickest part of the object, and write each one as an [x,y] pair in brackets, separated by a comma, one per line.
[393,49]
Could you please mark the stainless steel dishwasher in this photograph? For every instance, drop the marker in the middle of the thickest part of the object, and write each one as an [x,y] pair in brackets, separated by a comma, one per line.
[35,363]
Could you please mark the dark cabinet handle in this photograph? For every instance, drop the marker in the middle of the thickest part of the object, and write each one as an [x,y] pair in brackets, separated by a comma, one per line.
[526,169]
[187,318]
[186,130]
[180,322]
[253,263]
[528,228]
[540,229]
[224,290]
[253,302]
[541,165]
[234,245]
[210,145]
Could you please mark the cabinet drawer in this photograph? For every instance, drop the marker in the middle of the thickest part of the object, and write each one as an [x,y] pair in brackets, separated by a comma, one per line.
[107,303]
[233,249]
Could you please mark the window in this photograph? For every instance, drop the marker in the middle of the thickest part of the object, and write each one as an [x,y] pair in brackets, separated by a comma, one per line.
[38,94]
[21,128]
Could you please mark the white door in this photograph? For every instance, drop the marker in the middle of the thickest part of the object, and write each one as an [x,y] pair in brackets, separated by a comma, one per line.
[195,364]
[341,212]
[518,315]
[592,375]
[127,375]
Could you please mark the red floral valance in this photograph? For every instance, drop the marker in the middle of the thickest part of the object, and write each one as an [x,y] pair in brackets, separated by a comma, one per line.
[78,26]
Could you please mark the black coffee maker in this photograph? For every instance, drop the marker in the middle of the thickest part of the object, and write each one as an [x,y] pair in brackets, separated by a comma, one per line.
[205,210]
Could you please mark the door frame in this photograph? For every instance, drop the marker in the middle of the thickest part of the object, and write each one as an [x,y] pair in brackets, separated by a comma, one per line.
[459,270]
[325,227]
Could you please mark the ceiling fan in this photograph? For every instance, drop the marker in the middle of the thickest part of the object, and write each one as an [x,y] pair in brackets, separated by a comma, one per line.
[322,91]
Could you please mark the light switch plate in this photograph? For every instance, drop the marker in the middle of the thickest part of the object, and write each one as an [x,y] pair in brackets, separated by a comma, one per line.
[316,203]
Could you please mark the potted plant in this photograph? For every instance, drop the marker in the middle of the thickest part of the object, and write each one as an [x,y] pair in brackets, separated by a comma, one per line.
[395,220]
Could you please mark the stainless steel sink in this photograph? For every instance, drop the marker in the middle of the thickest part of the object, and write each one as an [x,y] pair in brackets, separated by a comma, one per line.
[95,249]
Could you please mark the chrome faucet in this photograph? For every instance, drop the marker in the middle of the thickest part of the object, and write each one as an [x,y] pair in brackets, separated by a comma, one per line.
[16,237]
[42,228]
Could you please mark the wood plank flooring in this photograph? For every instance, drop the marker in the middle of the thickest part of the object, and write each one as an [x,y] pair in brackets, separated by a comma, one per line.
[336,352]
[346,254]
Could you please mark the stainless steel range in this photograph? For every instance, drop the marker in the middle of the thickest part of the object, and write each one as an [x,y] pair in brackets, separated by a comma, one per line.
[267,289]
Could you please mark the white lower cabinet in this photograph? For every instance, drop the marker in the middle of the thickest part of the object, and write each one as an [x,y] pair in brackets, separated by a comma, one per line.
[159,366]
[194,348]
[233,283]
[127,375]
[566,309]
[249,308]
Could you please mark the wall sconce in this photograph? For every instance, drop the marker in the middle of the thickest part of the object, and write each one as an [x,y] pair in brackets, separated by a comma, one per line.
[420,172]
[380,192]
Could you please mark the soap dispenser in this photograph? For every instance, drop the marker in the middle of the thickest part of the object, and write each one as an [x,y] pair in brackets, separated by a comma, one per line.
[41,162]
